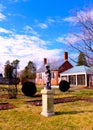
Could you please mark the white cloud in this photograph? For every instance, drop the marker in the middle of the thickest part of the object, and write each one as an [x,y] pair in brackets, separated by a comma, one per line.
[2,7]
[17,0]
[68,39]
[70,19]
[81,15]
[24,48]
[43,25]
[29,29]
[71,39]
[2,17]
[60,39]
[51,20]
[3,30]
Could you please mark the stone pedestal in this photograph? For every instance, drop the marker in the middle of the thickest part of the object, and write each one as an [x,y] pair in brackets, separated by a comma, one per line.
[47,102]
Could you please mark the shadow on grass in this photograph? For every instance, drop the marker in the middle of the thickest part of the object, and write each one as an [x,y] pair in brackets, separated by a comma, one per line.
[71,112]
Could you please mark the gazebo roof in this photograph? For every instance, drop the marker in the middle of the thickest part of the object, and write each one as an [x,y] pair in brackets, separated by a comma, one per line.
[78,70]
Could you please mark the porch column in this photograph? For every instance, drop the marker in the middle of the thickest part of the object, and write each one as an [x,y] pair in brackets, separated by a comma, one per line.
[85,79]
[76,81]
[67,78]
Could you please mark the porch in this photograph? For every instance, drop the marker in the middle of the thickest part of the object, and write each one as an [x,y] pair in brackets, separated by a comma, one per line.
[78,76]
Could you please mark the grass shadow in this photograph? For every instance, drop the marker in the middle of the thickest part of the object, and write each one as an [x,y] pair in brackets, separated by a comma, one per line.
[71,112]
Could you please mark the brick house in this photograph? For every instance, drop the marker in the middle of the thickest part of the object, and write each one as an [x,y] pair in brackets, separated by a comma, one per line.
[56,68]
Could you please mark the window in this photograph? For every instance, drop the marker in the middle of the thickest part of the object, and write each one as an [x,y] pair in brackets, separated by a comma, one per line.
[80,79]
[72,79]
[40,75]
[52,75]
[64,78]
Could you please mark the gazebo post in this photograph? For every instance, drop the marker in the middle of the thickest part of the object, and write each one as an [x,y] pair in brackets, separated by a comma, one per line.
[76,80]
[85,79]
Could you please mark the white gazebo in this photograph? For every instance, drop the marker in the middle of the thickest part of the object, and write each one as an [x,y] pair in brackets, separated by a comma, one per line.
[78,76]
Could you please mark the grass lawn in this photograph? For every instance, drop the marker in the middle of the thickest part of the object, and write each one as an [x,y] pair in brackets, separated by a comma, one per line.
[76,115]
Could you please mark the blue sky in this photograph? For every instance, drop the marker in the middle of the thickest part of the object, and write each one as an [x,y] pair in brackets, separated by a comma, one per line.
[34,29]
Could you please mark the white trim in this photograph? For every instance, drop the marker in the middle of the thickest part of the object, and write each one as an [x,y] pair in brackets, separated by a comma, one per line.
[71,74]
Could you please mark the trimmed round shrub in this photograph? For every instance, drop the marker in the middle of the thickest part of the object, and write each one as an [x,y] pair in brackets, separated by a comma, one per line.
[29,89]
[64,85]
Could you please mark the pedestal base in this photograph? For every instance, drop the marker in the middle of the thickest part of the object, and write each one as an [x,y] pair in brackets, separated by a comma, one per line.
[47,103]
[46,114]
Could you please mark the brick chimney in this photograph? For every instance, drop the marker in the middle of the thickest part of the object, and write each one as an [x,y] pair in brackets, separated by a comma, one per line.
[65,55]
[45,61]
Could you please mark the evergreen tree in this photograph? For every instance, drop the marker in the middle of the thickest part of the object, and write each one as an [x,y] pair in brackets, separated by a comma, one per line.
[82,59]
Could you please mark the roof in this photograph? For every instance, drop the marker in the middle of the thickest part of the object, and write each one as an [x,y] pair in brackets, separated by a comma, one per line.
[78,70]
[53,66]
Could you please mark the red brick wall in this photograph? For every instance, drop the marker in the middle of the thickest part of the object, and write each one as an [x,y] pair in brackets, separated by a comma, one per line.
[40,81]
[54,81]
[65,66]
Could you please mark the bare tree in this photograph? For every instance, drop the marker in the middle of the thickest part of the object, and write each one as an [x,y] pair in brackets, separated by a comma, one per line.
[83,37]
[15,64]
